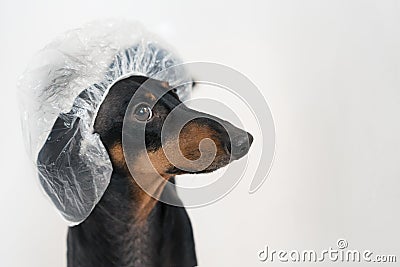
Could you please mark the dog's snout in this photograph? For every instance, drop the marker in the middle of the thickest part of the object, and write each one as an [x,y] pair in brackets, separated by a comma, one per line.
[240,145]
[234,141]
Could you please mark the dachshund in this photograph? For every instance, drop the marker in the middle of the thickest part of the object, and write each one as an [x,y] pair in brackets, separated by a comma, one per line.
[128,227]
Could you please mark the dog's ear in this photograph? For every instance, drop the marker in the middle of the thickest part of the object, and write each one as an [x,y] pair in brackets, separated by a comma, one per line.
[72,172]
[60,140]
[55,163]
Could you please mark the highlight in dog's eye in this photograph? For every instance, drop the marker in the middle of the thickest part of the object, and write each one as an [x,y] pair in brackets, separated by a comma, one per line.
[143,112]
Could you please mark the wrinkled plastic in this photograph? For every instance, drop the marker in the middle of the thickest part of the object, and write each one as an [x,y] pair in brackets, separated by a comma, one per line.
[60,93]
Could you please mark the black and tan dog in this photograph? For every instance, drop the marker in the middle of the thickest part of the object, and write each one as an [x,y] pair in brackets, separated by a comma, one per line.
[128,227]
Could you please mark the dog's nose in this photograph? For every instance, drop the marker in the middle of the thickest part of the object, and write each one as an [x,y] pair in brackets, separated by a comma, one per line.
[240,145]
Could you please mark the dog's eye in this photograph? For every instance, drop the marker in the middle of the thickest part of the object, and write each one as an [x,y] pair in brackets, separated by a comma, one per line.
[143,112]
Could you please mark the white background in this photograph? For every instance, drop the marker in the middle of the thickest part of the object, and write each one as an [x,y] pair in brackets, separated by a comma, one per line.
[330,71]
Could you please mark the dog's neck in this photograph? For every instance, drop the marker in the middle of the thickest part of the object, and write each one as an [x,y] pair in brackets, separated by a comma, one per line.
[112,234]
[119,233]
[145,188]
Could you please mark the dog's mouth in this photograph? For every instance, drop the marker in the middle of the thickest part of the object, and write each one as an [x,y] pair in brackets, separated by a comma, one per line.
[177,171]
[213,167]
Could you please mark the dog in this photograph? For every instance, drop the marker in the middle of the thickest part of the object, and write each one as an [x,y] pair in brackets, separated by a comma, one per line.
[128,227]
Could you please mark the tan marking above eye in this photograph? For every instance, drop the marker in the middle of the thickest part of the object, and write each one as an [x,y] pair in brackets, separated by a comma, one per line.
[150,96]
[165,85]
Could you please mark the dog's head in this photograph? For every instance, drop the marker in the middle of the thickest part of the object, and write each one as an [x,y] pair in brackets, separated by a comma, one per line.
[166,138]
[126,109]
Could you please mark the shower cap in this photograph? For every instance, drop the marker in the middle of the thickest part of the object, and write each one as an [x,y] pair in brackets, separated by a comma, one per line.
[60,93]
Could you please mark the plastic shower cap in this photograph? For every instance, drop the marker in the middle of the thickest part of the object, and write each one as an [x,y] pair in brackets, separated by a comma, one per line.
[61,91]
